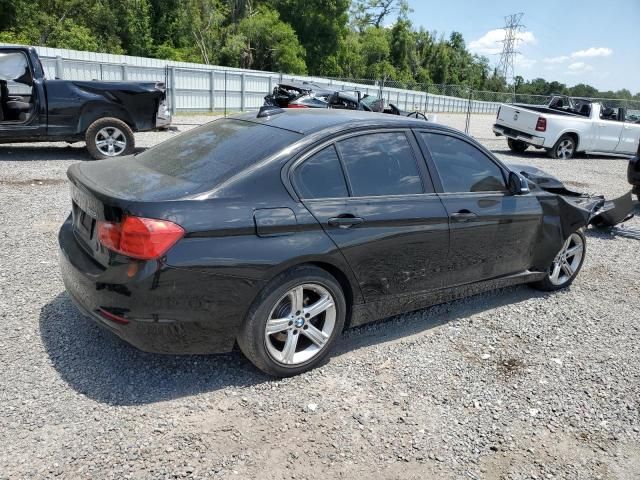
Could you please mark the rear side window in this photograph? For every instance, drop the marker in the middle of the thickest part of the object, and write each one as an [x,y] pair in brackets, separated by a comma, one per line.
[380,164]
[216,151]
[320,176]
[463,167]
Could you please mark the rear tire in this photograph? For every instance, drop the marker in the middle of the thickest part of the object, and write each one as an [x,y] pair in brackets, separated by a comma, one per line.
[516,145]
[565,148]
[295,321]
[108,138]
[566,265]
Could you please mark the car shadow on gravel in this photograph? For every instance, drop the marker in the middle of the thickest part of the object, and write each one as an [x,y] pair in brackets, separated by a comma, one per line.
[96,363]
[407,324]
[31,153]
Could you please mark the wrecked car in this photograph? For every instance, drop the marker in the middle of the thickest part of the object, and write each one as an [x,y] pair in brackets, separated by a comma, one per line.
[103,114]
[333,219]
[312,95]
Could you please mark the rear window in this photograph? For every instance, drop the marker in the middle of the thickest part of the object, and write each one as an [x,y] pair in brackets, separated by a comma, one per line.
[216,151]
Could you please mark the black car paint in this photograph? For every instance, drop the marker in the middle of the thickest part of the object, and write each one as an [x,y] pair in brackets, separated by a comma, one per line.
[243,233]
[64,109]
[633,173]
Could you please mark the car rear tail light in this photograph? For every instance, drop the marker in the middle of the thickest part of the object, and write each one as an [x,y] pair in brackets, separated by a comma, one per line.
[498,114]
[296,105]
[541,125]
[138,237]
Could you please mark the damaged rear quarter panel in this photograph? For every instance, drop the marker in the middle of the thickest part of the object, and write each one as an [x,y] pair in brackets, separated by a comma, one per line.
[74,105]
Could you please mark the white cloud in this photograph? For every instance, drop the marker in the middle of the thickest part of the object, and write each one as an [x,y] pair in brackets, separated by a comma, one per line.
[579,67]
[491,42]
[592,52]
[560,59]
[524,62]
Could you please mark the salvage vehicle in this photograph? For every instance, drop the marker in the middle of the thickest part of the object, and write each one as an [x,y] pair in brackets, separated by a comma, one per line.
[311,95]
[103,114]
[567,126]
[334,218]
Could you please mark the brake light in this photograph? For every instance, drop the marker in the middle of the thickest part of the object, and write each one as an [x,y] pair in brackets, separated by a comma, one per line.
[296,105]
[541,125]
[138,237]
[498,114]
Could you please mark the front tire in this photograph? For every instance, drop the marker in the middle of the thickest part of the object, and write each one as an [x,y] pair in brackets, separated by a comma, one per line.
[565,148]
[109,137]
[516,145]
[566,265]
[294,322]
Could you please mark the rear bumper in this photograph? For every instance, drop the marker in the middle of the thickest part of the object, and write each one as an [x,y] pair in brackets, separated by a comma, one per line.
[517,135]
[168,310]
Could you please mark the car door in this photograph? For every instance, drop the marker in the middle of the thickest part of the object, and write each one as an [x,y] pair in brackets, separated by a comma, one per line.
[371,194]
[607,131]
[30,90]
[492,231]
[630,138]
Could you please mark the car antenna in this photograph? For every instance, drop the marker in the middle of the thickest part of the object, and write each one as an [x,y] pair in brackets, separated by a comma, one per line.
[268,110]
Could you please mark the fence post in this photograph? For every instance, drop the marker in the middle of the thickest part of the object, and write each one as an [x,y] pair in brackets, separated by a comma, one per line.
[468,120]
[123,67]
[172,90]
[270,85]
[212,90]
[242,92]
[59,68]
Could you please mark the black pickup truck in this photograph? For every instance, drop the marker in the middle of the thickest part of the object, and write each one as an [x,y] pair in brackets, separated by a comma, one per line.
[103,114]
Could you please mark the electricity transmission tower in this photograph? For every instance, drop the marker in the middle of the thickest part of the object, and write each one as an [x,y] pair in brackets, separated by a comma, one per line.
[512,27]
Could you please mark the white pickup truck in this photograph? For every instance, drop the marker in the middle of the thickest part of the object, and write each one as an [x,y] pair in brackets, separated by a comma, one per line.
[569,125]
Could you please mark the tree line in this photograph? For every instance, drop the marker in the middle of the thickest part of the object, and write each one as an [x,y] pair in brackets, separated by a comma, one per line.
[353,39]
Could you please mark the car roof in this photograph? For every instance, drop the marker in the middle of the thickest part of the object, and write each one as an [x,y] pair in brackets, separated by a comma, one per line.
[312,120]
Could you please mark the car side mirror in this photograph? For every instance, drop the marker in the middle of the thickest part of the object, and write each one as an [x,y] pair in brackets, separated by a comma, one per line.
[517,184]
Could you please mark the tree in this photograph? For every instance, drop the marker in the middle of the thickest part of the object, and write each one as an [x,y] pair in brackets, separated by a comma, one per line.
[270,44]
[320,25]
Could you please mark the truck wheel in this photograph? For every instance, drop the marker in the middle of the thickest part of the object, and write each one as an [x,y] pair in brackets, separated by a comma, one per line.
[109,137]
[516,145]
[565,148]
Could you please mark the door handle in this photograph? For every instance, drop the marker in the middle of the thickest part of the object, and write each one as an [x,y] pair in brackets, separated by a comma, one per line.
[345,221]
[463,216]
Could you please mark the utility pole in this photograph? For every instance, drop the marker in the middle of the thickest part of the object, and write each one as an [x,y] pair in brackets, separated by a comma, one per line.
[512,27]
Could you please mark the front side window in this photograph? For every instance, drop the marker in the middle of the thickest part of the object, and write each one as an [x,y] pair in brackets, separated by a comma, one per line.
[320,176]
[380,164]
[463,167]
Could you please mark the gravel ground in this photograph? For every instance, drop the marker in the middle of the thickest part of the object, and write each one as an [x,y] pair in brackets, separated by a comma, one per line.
[511,384]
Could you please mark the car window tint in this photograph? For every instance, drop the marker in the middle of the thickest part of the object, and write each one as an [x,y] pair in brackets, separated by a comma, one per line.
[215,151]
[320,176]
[380,164]
[463,167]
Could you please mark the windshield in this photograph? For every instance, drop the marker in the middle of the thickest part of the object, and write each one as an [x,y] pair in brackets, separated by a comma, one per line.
[210,154]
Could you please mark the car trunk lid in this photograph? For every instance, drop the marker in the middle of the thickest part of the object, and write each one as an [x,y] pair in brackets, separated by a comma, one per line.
[518,118]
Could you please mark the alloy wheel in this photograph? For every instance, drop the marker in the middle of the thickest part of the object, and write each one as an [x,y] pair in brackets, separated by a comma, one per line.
[567,261]
[300,324]
[565,149]
[111,141]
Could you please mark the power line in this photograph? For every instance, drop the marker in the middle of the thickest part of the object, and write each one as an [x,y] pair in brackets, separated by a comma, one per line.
[512,27]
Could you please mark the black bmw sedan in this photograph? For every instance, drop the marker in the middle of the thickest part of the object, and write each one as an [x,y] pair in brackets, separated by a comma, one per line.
[276,231]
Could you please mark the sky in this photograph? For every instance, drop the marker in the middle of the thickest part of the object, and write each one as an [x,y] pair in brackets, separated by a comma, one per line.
[571,41]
